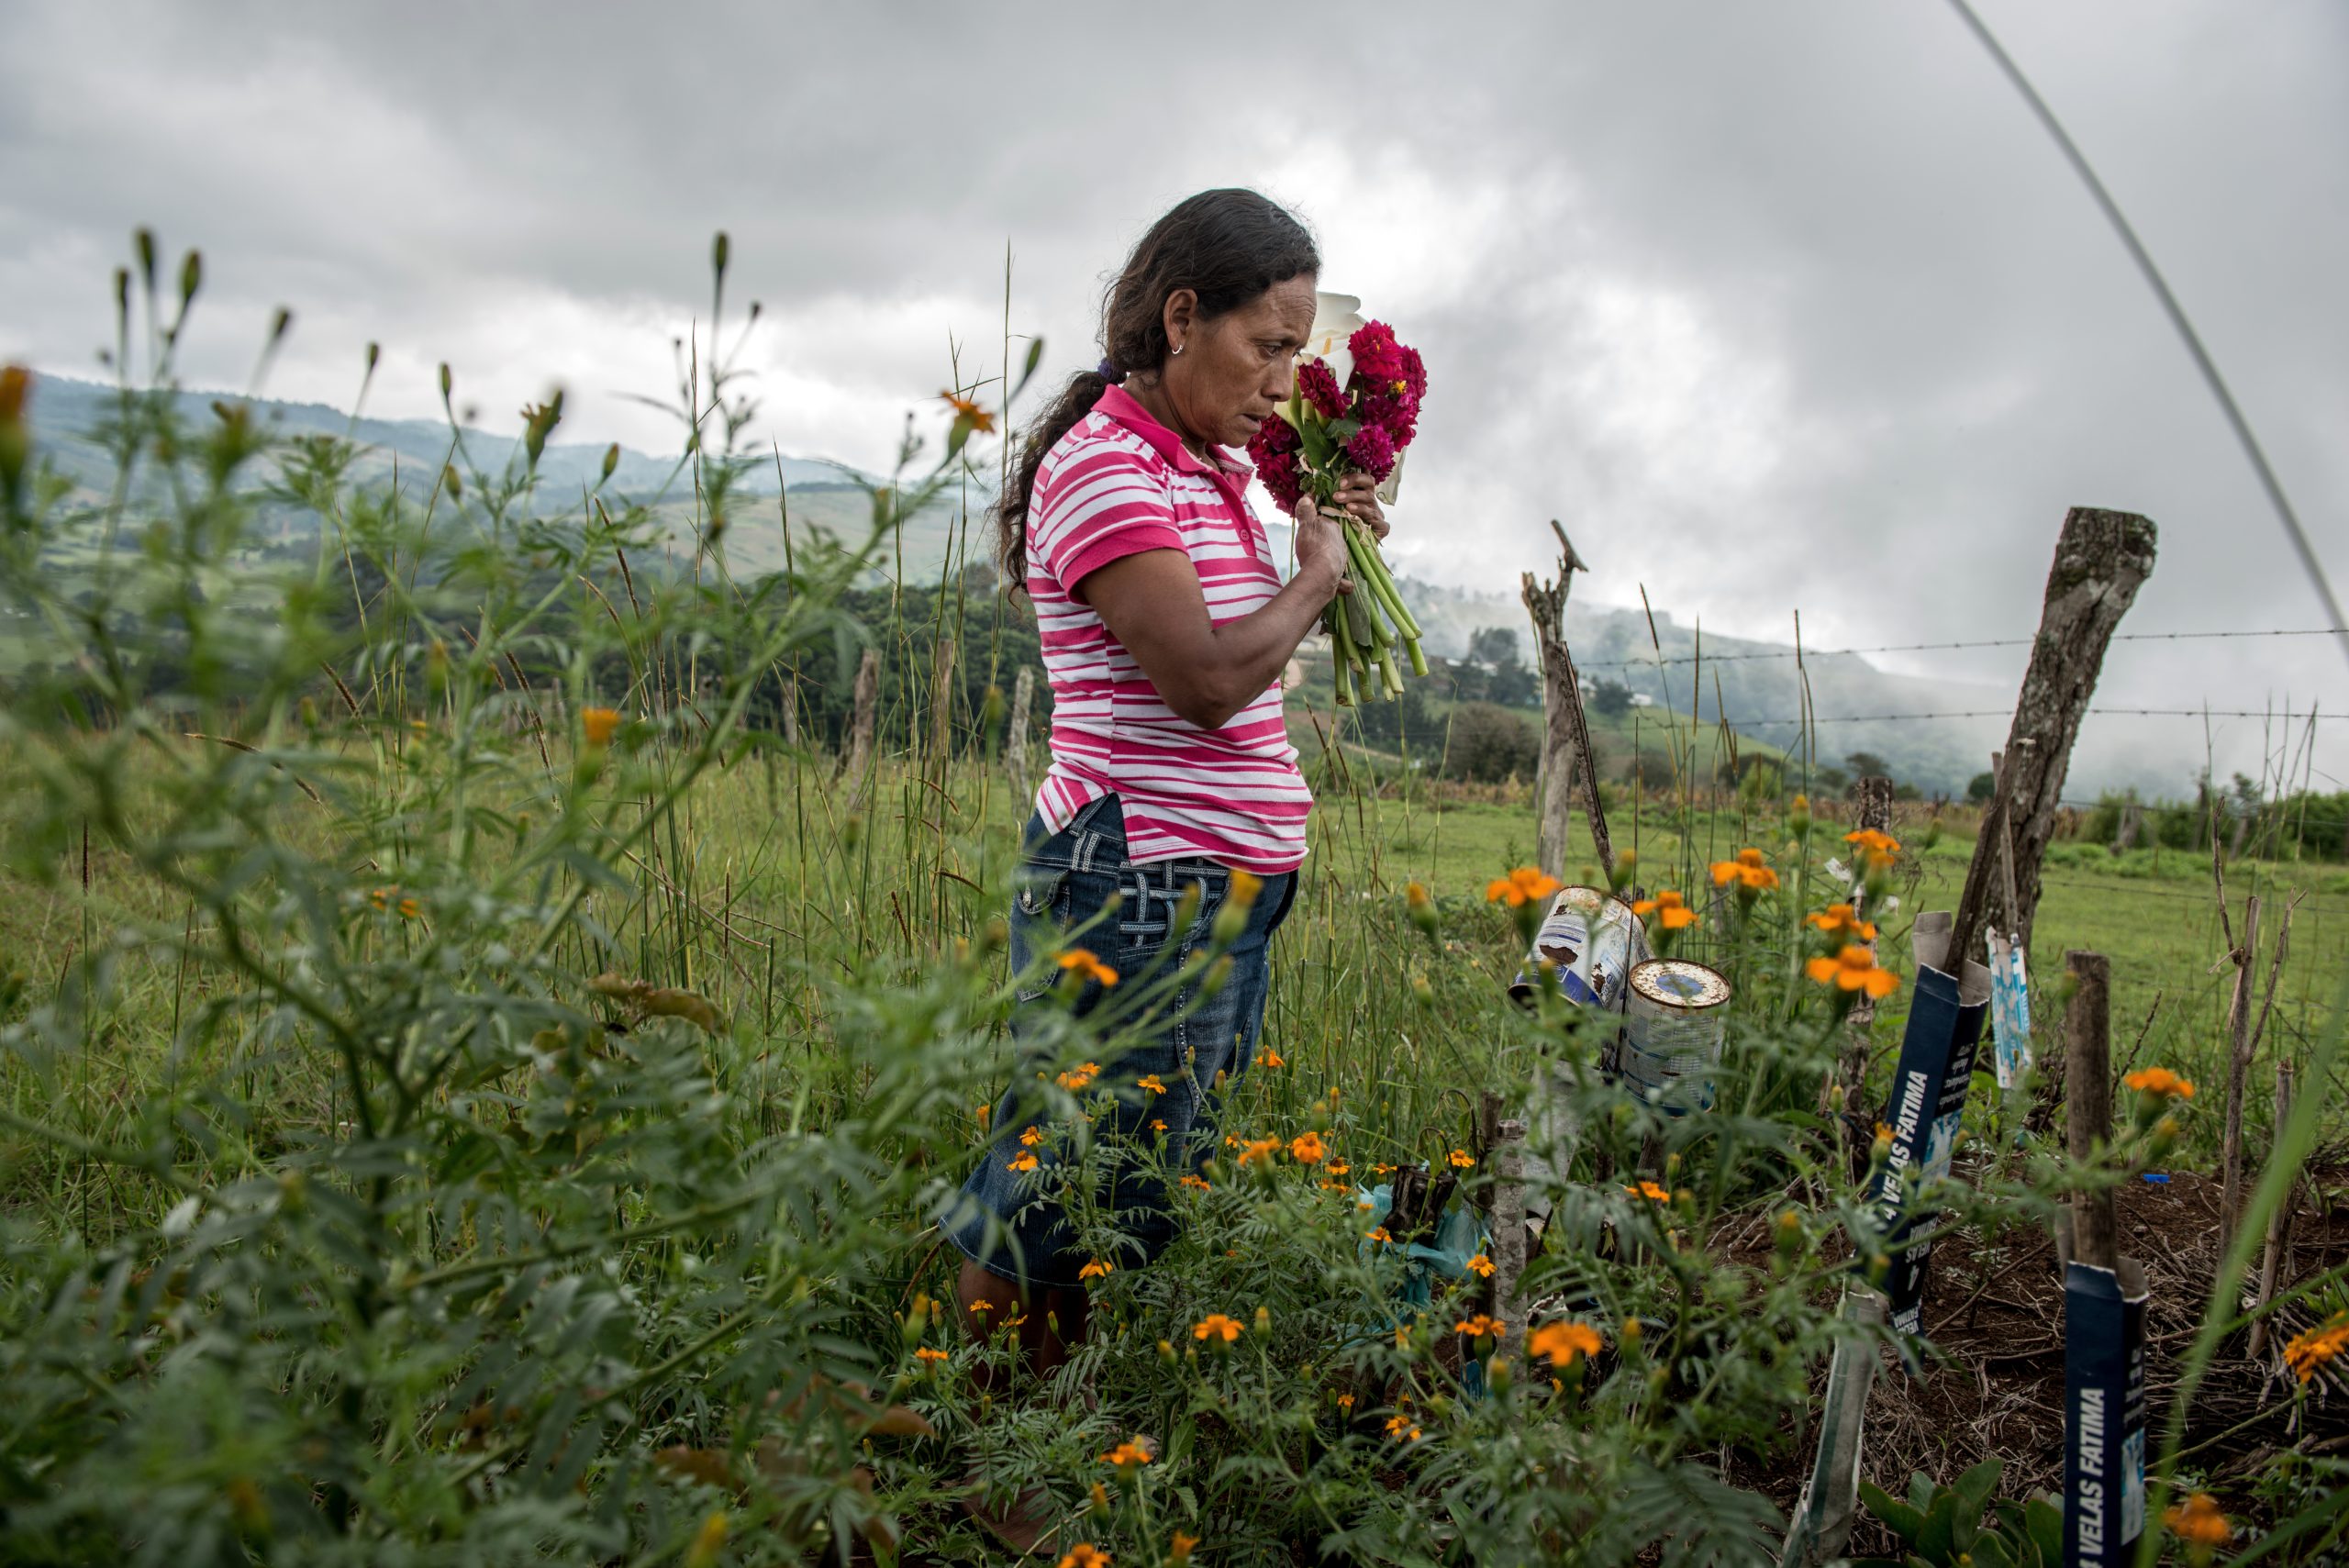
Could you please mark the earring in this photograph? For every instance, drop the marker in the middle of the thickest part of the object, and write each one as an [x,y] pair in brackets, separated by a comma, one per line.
[1178,349]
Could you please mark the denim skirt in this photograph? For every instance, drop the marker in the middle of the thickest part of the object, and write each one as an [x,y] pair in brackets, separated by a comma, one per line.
[1006,1217]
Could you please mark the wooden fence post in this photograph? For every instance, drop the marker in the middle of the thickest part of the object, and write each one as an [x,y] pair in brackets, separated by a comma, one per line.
[1821,1522]
[1566,758]
[863,716]
[1509,1229]
[1874,794]
[2239,1048]
[1014,749]
[2101,560]
[2278,1223]
[2087,1110]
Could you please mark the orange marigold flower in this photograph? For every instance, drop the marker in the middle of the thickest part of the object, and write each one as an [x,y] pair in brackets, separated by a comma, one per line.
[1875,843]
[1461,1159]
[1092,968]
[1195,1180]
[1400,1427]
[1080,1076]
[1271,1058]
[1151,1081]
[923,1352]
[1159,1125]
[1096,1269]
[1747,871]
[984,1113]
[1524,885]
[1377,1234]
[1337,1167]
[1842,920]
[1481,1266]
[599,724]
[2199,1522]
[1306,1149]
[1651,1192]
[410,909]
[1031,1137]
[1562,1342]
[1179,1550]
[2160,1081]
[2307,1352]
[1128,1452]
[1854,969]
[1481,1326]
[1670,910]
[1216,1325]
[1021,1162]
[1264,1149]
[1085,1554]
[967,411]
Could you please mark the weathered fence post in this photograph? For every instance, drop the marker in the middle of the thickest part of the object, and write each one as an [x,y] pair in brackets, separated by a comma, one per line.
[1830,1499]
[1566,759]
[2239,1047]
[1014,749]
[2087,1110]
[1875,795]
[1509,1229]
[2271,1259]
[863,716]
[2104,1307]
[2101,560]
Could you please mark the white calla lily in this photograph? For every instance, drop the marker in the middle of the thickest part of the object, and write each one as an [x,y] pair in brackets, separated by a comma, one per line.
[1336,317]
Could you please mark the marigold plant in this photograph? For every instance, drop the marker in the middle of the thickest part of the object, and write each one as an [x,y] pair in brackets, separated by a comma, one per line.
[1854,970]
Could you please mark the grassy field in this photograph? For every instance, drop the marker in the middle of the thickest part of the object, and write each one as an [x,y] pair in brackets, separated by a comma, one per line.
[468,1095]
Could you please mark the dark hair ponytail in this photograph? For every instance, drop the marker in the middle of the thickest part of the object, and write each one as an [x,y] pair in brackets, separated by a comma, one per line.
[1227,247]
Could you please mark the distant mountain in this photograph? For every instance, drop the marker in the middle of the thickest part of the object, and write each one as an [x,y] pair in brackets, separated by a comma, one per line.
[65,413]
[1756,686]
[823,495]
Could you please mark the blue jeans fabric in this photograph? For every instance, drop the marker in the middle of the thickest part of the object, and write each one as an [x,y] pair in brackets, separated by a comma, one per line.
[1065,881]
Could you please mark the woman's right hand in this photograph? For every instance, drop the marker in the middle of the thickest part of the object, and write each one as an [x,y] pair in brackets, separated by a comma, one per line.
[1322,549]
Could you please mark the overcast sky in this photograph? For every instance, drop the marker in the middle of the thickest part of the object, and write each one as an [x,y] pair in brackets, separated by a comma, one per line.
[1776,306]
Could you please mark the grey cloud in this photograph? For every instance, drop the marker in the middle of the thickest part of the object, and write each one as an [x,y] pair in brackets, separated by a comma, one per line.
[1779,307]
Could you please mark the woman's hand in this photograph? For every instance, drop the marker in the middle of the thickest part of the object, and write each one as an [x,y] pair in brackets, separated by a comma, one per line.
[1321,551]
[1358,497]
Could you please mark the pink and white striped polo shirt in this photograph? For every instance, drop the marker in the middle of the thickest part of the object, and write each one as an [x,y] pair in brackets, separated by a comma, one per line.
[1120,482]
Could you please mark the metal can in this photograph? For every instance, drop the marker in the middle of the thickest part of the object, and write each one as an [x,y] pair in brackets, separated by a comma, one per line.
[1676,1017]
[1588,938]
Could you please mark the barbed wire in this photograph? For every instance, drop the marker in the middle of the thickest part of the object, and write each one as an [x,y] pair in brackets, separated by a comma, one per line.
[1808,653]
[2315,901]
[2311,717]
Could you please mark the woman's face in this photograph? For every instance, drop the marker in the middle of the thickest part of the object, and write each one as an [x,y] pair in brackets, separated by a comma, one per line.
[1234,370]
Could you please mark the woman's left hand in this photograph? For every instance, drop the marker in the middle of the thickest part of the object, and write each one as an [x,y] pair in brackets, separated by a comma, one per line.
[1357,496]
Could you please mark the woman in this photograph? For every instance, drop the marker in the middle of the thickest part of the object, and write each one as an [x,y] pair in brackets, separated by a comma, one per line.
[1165,629]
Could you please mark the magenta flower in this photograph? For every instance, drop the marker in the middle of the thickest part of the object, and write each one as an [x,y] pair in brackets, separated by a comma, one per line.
[1321,389]
[1378,358]
[1415,373]
[1278,470]
[1395,413]
[1372,449]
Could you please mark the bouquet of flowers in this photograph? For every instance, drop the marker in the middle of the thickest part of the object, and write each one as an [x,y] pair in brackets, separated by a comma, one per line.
[1356,406]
